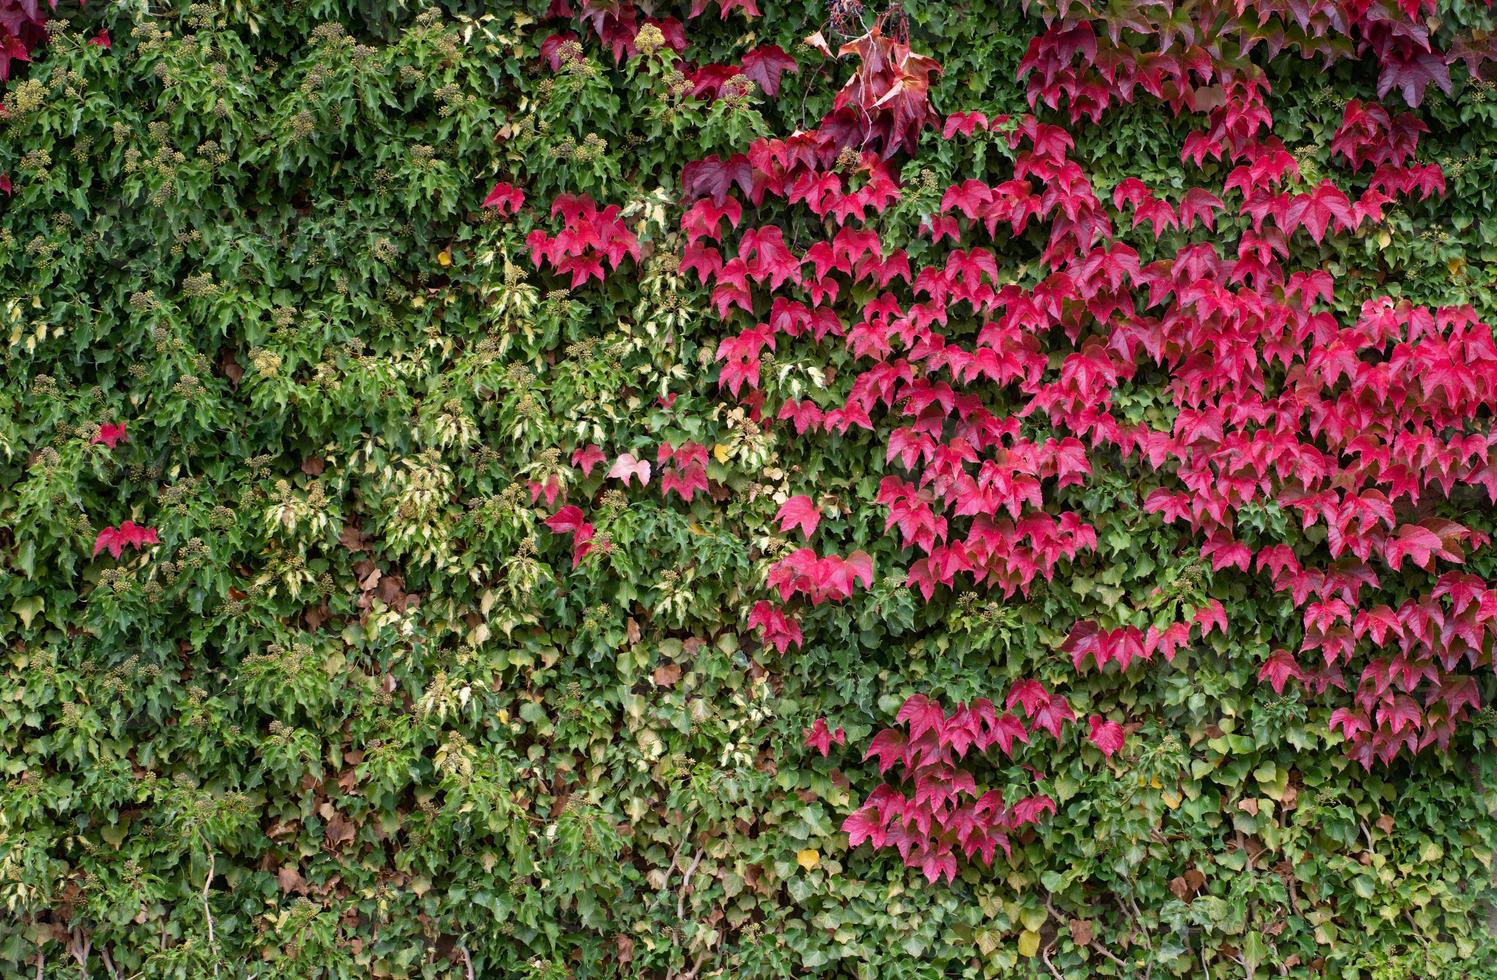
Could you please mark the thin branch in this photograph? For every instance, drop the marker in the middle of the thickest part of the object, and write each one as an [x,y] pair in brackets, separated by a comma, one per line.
[1139,926]
[79,944]
[1091,945]
[696,967]
[208,913]
[1138,922]
[686,883]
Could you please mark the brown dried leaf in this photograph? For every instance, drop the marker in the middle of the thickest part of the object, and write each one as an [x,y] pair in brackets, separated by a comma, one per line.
[290,881]
[391,589]
[317,615]
[667,675]
[282,829]
[1185,886]
[817,42]
[231,368]
[339,830]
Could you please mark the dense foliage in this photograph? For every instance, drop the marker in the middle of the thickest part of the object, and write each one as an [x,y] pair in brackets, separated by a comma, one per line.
[736,488]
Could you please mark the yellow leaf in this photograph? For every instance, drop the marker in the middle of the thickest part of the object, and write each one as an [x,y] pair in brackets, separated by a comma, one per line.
[1171,799]
[1029,942]
[1455,266]
[444,258]
[722,452]
[808,859]
[1384,239]
[27,608]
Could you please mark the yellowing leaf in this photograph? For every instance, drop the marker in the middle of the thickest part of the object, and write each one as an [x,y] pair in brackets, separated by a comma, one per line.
[26,609]
[444,258]
[1029,942]
[808,859]
[722,452]
[1171,799]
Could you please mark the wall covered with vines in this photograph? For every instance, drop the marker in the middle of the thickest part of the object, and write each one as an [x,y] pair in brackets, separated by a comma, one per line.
[732,488]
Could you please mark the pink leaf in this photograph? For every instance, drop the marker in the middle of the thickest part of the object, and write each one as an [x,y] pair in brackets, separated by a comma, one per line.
[1105,734]
[799,511]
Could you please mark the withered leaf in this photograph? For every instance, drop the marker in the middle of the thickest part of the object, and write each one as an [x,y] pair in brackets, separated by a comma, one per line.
[317,615]
[339,830]
[353,539]
[290,881]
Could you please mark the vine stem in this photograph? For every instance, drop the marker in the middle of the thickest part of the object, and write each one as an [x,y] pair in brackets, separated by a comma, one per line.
[686,884]
[208,913]
[1093,944]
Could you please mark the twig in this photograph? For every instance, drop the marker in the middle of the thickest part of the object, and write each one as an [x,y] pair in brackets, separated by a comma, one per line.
[686,883]
[208,913]
[467,961]
[1045,955]
[1422,941]
[1138,921]
[79,945]
[1108,953]
[1093,944]
[696,967]
[1148,940]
